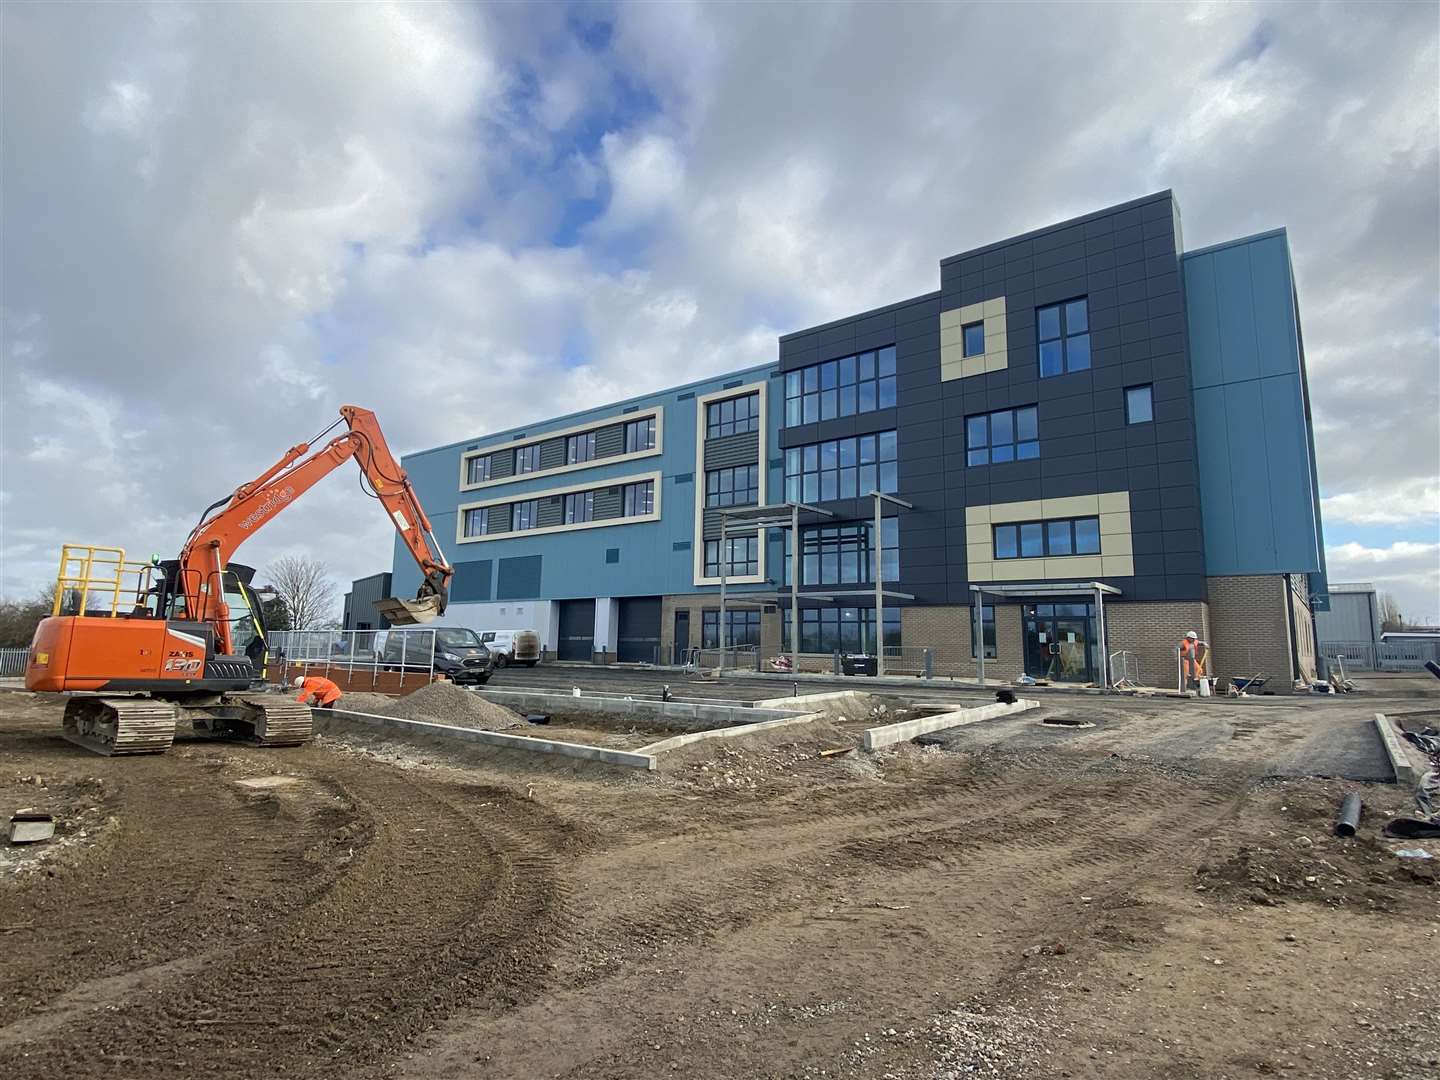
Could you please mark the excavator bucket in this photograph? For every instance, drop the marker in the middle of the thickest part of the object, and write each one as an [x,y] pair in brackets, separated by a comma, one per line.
[408,612]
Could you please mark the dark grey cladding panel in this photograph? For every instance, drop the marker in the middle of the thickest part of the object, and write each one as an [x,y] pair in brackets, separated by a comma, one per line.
[731,450]
[552,453]
[471,581]
[609,503]
[502,463]
[610,441]
[552,511]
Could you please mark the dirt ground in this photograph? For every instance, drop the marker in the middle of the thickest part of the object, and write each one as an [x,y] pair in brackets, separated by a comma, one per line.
[365,908]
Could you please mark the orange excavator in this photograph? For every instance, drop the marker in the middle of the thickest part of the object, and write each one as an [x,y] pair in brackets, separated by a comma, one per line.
[191,646]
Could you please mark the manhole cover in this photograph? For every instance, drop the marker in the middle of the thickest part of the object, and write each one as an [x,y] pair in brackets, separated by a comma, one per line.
[1066,721]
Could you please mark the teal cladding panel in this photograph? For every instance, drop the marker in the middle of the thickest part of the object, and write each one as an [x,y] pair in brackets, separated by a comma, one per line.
[1259,502]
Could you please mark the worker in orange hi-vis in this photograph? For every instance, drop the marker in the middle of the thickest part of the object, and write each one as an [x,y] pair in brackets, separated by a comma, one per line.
[319,690]
[1192,658]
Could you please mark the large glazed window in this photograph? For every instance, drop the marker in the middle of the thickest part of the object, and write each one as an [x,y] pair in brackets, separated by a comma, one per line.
[828,630]
[842,468]
[527,459]
[739,486]
[1036,539]
[1006,435]
[1063,331]
[844,555]
[742,627]
[733,416]
[524,515]
[744,557]
[843,387]
[579,507]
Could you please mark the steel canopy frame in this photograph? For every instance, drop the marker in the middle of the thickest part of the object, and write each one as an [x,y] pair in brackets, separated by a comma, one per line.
[765,518]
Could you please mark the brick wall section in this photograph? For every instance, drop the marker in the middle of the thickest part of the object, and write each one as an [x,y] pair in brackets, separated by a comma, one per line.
[1251,629]
[945,629]
[1152,631]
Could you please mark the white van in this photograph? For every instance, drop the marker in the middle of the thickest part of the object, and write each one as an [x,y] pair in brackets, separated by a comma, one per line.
[513,646]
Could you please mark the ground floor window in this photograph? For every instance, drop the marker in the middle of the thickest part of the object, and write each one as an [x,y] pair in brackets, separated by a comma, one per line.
[846,629]
[742,627]
[987,621]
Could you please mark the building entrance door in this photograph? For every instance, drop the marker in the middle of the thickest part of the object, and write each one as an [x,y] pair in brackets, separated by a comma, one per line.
[682,634]
[1060,642]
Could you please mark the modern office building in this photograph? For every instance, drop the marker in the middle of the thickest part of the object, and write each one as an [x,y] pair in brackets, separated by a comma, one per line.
[1098,441]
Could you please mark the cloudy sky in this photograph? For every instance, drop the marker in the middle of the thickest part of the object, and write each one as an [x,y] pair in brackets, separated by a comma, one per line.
[220,222]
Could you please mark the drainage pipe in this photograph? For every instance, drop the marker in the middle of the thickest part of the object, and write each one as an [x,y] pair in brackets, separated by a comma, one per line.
[1349,815]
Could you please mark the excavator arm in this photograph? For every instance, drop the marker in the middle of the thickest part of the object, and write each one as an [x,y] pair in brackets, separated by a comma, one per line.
[214,541]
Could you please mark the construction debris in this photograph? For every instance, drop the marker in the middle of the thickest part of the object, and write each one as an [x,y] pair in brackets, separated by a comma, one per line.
[31,826]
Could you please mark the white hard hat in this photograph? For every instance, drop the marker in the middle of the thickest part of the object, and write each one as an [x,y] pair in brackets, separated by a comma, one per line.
[1190,635]
[300,679]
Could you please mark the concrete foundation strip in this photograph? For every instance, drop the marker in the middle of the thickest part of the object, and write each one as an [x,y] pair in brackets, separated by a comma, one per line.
[811,702]
[677,741]
[709,715]
[628,758]
[1395,751]
[878,737]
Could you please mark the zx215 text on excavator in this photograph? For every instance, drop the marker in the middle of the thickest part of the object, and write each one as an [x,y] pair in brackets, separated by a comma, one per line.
[165,642]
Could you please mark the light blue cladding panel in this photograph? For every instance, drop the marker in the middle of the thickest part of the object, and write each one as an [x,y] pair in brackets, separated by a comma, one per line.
[1259,500]
[656,558]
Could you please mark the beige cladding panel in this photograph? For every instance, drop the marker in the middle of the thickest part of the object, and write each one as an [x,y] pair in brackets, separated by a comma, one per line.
[954,364]
[1116,557]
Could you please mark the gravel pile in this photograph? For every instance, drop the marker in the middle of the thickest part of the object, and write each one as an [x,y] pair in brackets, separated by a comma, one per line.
[446,703]
[366,703]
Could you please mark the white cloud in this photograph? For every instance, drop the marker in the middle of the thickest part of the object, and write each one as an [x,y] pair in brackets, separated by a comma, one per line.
[1408,569]
[1410,501]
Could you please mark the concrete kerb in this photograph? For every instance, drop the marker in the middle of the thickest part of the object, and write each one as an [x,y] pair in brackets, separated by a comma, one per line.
[889,734]
[845,704]
[677,741]
[1395,752]
[627,758]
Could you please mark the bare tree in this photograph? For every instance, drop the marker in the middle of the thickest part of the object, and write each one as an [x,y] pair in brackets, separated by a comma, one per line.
[19,618]
[305,587]
[1390,617]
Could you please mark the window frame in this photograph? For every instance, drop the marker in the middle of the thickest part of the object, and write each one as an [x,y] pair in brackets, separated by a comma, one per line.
[580,448]
[524,515]
[818,637]
[482,473]
[634,443]
[974,453]
[987,632]
[751,564]
[1065,335]
[835,543]
[579,507]
[483,513]
[875,455]
[630,498]
[710,626]
[716,489]
[1045,527]
[719,426]
[1149,391]
[850,385]
[965,330]
[527,459]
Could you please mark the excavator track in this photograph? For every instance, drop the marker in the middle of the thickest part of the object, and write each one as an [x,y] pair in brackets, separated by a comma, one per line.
[279,721]
[116,726]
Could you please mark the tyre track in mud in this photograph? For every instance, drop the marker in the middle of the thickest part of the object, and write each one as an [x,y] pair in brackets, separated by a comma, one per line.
[446,901]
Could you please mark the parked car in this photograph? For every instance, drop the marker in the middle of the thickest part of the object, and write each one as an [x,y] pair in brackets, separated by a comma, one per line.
[513,646]
[458,653]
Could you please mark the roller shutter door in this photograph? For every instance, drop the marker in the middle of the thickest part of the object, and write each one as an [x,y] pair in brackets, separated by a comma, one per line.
[577,630]
[639,630]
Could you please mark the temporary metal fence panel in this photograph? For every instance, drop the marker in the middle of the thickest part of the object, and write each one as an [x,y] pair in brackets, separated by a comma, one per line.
[1382,655]
[410,652]
[12,663]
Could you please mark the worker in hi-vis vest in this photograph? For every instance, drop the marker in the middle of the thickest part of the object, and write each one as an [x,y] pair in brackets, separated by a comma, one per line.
[319,690]
[1192,658]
